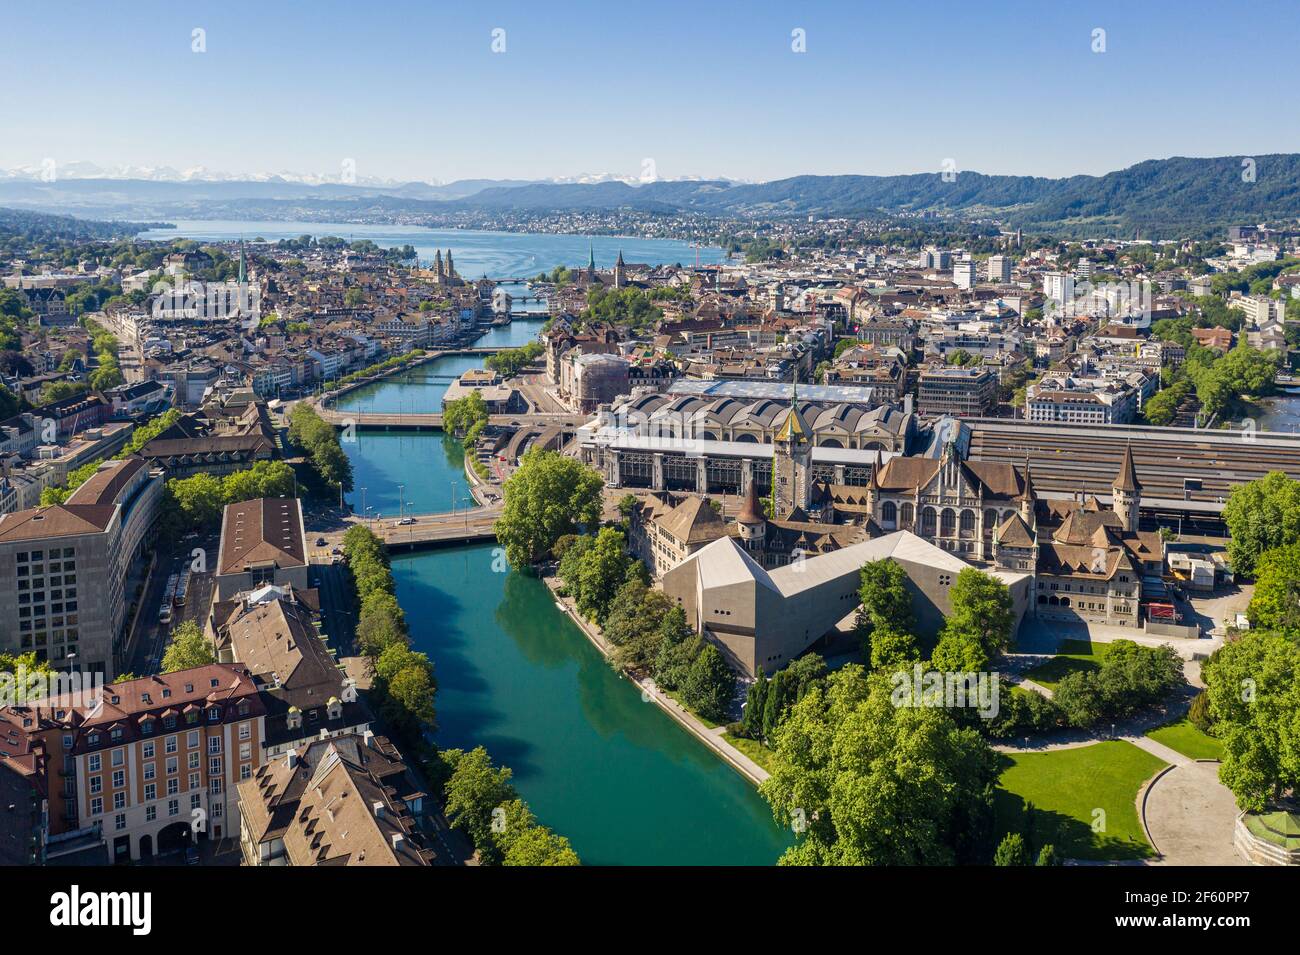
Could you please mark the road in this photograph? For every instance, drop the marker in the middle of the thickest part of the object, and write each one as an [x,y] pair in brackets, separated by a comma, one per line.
[149,639]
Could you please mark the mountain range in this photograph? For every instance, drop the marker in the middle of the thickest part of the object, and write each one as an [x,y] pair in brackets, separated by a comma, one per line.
[1166,198]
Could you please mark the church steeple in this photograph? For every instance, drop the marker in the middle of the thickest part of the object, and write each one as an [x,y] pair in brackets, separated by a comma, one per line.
[591,261]
[243,264]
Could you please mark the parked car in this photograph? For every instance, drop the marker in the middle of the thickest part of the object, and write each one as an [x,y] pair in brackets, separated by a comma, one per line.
[406,520]
[321,542]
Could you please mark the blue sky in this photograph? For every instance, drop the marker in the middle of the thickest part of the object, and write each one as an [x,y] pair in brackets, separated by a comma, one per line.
[414,91]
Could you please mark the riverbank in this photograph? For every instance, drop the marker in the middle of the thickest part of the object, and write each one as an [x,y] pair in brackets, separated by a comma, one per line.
[650,693]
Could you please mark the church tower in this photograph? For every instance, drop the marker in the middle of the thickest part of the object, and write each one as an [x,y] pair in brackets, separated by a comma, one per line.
[437,266]
[750,521]
[791,459]
[620,271]
[451,269]
[591,262]
[1126,492]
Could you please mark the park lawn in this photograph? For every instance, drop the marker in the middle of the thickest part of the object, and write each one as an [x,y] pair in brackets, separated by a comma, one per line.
[1184,737]
[1066,787]
[1074,656]
[753,749]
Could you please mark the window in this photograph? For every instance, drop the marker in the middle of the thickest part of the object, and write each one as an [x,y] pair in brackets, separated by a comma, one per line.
[214,766]
[245,750]
[146,751]
[171,745]
[173,786]
[119,821]
[194,781]
[119,778]
[150,791]
[214,744]
[173,807]
[196,800]
[150,770]
[96,806]
[192,760]
[96,784]
[246,771]
[119,800]
[245,730]
[217,808]
[172,766]
[150,813]
[214,785]
[192,739]
[93,762]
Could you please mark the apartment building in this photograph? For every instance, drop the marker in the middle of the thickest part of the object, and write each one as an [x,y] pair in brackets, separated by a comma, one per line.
[64,568]
[151,763]
[335,802]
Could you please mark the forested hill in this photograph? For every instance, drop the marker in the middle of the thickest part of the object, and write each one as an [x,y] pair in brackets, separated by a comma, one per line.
[1163,196]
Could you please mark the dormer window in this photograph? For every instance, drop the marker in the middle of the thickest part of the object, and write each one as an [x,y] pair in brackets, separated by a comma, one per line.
[189,687]
[146,727]
[116,735]
[169,722]
[192,717]
[214,713]
[92,739]
[166,693]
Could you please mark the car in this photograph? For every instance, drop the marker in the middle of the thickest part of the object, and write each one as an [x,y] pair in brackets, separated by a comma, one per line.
[321,542]
[192,855]
[406,520]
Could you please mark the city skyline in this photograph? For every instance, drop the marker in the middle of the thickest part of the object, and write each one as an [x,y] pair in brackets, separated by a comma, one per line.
[437,95]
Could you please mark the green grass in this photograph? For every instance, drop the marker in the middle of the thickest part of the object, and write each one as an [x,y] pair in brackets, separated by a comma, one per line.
[1274,827]
[1188,740]
[753,749]
[1067,786]
[1075,656]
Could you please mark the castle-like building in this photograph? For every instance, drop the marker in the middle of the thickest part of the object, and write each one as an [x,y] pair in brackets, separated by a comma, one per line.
[1088,560]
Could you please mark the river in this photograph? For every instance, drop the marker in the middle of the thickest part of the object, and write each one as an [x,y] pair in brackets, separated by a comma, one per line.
[615,774]
[625,783]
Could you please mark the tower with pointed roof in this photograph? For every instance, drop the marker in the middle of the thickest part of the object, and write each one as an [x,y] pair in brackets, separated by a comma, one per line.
[437,266]
[1126,492]
[451,268]
[750,520]
[791,461]
[591,261]
[620,271]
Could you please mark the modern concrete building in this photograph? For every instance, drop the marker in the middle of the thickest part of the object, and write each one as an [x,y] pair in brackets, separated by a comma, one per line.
[957,391]
[64,569]
[764,619]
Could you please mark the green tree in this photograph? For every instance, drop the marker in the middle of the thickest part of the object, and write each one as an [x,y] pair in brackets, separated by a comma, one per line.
[601,571]
[886,618]
[1253,684]
[548,496]
[473,791]
[1261,515]
[981,608]
[865,782]
[1047,856]
[1275,604]
[188,649]
[710,684]
[1011,851]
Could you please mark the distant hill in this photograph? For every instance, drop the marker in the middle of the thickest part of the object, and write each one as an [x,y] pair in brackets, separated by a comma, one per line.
[1159,197]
